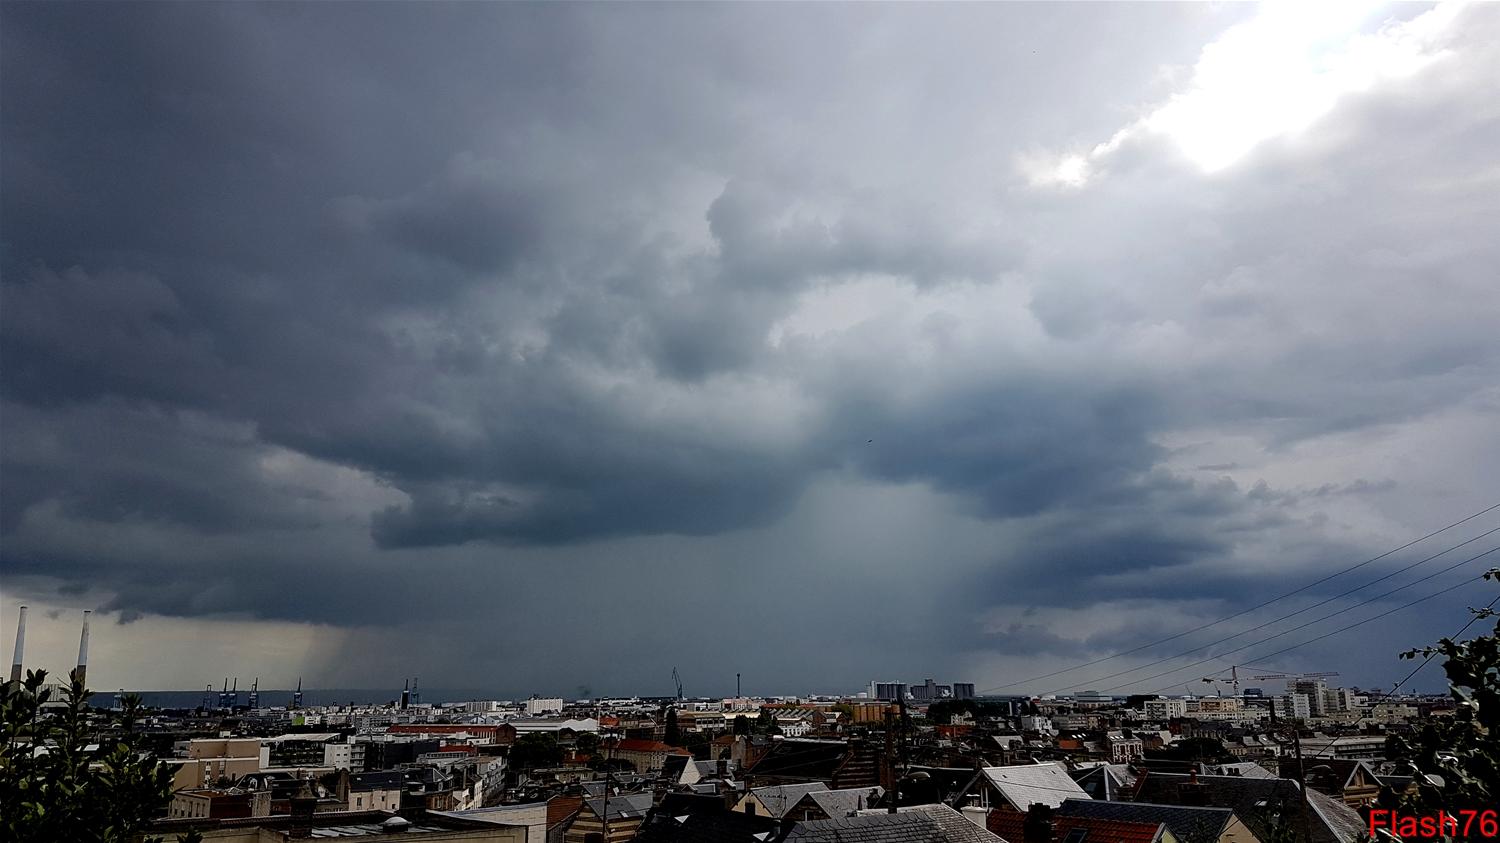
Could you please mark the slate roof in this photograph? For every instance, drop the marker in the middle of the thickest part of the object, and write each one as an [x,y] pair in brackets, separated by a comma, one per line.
[1343,768]
[804,759]
[722,827]
[377,780]
[1024,785]
[1188,825]
[674,765]
[942,784]
[690,803]
[686,818]
[839,803]
[1012,826]
[626,806]
[1261,803]
[706,769]
[778,799]
[1343,822]
[596,787]
[924,824]
[1106,781]
[1248,769]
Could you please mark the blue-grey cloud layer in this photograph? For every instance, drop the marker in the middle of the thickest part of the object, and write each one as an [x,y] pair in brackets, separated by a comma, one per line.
[370,299]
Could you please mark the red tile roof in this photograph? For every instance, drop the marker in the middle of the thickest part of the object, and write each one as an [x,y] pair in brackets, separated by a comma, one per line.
[561,808]
[642,745]
[1011,825]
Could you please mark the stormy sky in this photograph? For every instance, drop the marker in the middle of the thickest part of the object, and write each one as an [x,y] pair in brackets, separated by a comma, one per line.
[544,348]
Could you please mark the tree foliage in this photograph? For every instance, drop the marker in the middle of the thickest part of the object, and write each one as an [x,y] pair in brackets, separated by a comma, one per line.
[52,787]
[1456,761]
[764,722]
[700,743]
[942,711]
[673,736]
[535,750]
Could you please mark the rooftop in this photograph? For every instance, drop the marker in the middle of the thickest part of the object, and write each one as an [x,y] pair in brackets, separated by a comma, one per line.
[1024,785]
[924,824]
[1187,824]
[329,825]
[778,799]
[1011,826]
[622,807]
[838,803]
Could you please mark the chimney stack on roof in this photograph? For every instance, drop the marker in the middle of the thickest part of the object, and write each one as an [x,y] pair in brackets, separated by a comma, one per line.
[15,662]
[1193,792]
[303,805]
[1038,826]
[83,650]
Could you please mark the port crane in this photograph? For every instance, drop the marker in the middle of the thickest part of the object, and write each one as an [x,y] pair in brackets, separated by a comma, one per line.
[1234,677]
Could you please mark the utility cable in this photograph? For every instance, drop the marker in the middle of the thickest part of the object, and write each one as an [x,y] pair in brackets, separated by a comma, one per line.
[1244,612]
[1394,688]
[1338,631]
[1433,575]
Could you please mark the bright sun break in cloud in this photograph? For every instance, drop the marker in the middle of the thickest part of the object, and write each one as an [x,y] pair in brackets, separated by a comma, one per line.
[1273,76]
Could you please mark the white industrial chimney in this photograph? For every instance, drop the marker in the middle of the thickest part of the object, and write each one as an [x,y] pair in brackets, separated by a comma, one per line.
[15,662]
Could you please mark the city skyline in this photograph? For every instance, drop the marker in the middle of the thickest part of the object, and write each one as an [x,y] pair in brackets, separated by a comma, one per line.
[568,345]
[875,689]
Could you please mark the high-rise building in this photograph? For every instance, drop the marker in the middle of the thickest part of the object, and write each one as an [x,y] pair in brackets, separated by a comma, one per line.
[1315,691]
[888,691]
[930,691]
[963,690]
[1292,705]
[1339,700]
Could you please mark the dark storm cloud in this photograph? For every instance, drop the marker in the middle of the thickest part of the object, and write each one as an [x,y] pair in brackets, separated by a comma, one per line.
[142,463]
[372,299]
[71,336]
[1016,447]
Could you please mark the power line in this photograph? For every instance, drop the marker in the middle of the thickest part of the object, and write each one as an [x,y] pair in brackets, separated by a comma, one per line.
[1414,672]
[1300,611]
[1244,612]
[1330,634]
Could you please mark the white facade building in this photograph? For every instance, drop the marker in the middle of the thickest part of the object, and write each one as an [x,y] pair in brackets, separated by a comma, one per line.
[1166,709]
[537,706]
[1293,705]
